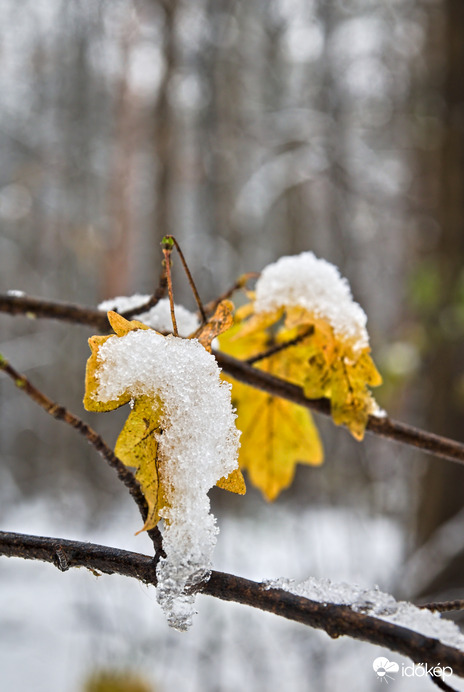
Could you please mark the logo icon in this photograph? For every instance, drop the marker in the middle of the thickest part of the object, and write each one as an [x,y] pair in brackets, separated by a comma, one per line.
[384,669]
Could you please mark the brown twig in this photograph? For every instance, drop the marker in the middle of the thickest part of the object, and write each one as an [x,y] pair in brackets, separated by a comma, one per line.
[167,246]
[336,620]
[52,309]
[383,426]
[441,684]
[277,348]
[380,425]
[444,606]
[159,293]
[171,239]
[240,283]
[62,414]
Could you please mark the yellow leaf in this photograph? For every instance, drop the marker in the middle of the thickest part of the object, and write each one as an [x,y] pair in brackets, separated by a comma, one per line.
[137,446]
[234,483]
[91,401]
[220,322]
[121,326]
[276,434]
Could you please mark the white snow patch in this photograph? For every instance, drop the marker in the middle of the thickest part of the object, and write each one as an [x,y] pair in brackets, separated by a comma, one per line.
[375,603]
[198,446]
[158,317]
[316,285]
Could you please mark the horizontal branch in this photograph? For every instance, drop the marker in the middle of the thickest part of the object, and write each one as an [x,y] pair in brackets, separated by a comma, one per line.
[383,426]
[52,309]
[379,425]
[336,620]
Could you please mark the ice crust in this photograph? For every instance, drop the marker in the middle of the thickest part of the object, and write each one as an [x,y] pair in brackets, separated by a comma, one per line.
[198,445]
[375,603]
[158,317]
[316,285]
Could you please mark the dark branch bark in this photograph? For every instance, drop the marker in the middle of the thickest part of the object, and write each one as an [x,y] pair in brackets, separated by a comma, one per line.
[385,426]
[62,414]
[69,312]
[336,620]
[444,606]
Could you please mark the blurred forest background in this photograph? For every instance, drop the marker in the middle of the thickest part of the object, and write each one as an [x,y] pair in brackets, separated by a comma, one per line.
[249,130]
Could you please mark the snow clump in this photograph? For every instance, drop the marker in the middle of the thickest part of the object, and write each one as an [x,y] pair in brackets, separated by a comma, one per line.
[198,446]
[158,317]
[377,604]
[316,285]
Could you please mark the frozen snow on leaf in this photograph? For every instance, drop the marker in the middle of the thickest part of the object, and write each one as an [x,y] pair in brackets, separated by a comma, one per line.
[316,285]
[158,317]
[375,603]
[198,445]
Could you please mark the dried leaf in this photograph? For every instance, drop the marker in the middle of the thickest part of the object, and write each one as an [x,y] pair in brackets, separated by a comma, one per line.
[220,322]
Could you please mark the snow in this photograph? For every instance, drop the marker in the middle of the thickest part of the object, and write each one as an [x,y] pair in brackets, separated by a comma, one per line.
[377,604]
[66,625]
[316,285]
[198,445]
[158,317]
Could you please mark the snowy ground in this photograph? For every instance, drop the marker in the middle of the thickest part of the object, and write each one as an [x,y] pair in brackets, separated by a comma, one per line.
[56,628]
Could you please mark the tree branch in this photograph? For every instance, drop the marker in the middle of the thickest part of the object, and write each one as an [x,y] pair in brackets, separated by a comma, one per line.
[56,310]
[383,426]
[336,620]
[62,414]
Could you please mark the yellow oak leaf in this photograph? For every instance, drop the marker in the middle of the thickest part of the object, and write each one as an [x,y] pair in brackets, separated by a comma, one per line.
[276,434]
[137,444]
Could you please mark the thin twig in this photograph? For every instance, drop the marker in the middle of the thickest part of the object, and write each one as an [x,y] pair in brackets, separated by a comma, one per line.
[444,606]
[277,348]
[336,620]
[167,249]
[239,284]
[189,277]
[439,682]
[62,414]
[384,426]
[159,293]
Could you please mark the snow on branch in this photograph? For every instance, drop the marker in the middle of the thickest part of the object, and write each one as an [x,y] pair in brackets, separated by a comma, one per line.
[335,619]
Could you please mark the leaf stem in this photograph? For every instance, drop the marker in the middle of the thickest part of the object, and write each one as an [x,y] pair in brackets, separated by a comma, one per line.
[159,293]
[167,249]
[173,241]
